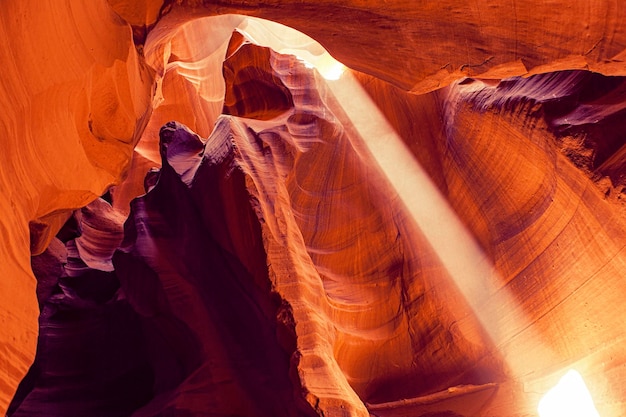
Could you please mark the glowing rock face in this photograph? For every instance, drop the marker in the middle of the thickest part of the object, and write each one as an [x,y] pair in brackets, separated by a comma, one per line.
[368,315]
[570,397]
[73,90]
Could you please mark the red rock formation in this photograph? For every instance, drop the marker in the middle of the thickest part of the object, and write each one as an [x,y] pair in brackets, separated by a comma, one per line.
[74,92]
[92,357]
[435,45]
[222,308]
[351,295]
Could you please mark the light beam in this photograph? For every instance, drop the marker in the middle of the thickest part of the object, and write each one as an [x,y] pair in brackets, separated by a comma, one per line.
[569,397]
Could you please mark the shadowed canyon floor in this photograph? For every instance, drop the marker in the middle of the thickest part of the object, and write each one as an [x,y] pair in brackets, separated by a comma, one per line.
[278,235]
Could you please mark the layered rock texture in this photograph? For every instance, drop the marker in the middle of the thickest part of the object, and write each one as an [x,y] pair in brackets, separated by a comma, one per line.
[438,230]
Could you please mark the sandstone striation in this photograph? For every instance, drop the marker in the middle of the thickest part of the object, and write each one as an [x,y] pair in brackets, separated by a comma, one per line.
[436,45]
[92,356]
[439,234]
[74,92]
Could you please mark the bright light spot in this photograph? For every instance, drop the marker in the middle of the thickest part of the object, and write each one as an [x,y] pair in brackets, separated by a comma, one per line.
[570,398]
[307,63]
[326,65]
[330,68]
[286,40]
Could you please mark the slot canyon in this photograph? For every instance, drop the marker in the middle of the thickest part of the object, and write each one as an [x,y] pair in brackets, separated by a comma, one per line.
[383,208]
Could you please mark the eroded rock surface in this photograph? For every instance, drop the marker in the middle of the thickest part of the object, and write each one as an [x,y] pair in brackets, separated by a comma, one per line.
[92,352]
[350,304]
[338,310]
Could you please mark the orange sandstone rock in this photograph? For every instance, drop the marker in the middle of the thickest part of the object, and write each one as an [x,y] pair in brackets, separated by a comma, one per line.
[74,90]
[375,314]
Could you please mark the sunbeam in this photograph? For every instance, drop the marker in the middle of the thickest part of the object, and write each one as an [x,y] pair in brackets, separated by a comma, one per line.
[570,397]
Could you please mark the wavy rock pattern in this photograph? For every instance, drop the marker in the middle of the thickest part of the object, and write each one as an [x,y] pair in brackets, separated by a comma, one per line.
[437,45]
[531,205]
[74,90]
[331,258]
[92,357]
[179,269]
[371,317]
[356,311]
[524,166]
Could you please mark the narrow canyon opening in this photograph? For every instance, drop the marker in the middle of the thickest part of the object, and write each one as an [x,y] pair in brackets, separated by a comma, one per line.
[283,235]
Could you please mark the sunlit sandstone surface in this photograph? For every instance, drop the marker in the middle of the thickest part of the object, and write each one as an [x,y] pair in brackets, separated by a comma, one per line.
[204,213]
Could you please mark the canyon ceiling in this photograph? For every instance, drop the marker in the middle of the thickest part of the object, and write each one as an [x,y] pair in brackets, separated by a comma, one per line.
[205,213]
